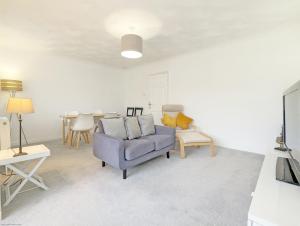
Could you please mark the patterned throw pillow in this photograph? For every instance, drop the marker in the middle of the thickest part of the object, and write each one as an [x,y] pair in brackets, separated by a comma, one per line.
[183,121]
[147,124]
[132,128]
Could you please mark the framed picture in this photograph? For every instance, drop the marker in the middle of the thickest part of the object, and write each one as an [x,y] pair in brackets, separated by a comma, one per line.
[130,111]
[138,111]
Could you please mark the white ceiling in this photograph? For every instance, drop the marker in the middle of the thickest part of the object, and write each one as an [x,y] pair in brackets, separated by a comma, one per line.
[90,29]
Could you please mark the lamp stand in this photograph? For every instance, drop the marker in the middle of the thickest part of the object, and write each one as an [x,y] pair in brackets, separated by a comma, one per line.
[13,94]
[20,138]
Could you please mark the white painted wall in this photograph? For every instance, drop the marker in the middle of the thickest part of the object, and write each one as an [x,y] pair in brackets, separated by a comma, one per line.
[233,90]
[57,85]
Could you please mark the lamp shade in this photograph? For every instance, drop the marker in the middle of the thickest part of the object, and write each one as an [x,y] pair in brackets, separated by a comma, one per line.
[19,105]
[11,85]
[132,46]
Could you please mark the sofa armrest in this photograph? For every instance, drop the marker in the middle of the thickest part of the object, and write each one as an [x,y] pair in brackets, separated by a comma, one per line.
[109,149]
[164,130]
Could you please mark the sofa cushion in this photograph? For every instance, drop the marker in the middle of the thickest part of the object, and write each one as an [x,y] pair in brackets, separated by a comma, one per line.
[160,141]
[114,127]
[137,148]
[132,128]
[147,124]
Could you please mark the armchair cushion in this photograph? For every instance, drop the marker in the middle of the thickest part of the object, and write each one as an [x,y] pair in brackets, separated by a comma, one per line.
[183,121]
[168,120]
[137,147]
[160,141]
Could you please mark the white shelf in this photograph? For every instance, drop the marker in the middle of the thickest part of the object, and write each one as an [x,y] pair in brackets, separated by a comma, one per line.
[274,203]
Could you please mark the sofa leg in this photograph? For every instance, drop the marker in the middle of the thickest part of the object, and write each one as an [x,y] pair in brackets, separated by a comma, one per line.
[124,174]
[103,164]
[168,155]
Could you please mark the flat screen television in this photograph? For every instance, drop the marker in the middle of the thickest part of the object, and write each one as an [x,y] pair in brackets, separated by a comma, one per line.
[288,169]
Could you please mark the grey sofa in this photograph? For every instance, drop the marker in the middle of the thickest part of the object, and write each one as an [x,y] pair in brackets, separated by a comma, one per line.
[124,154]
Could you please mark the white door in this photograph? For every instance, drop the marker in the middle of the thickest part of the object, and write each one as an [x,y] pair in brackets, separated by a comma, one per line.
[157,94]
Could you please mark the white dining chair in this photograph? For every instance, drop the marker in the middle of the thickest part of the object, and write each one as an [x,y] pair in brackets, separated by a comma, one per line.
[81,129]
[68,123]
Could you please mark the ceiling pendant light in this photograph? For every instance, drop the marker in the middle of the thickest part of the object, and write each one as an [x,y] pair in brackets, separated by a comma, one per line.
[132,46]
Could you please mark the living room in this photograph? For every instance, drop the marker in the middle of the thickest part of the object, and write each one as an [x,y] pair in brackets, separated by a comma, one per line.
[225,65]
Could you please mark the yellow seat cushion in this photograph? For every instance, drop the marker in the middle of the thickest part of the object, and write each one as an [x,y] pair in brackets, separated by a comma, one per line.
[168,120]
[183,121]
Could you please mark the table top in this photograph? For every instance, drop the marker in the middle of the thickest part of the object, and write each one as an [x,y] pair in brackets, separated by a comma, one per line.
[274,202]
[93,114]
[33,152]
[75,116]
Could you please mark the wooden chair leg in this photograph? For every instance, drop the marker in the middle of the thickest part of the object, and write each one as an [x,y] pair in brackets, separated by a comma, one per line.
[70,138]
[84,135]
[78,139]
[74,138]
[89,136]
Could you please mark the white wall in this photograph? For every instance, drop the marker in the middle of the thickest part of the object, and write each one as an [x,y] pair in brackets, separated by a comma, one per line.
[57,85]
[233,90]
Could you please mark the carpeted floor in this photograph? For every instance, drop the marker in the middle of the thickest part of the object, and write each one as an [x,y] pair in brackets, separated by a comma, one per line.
[198,190]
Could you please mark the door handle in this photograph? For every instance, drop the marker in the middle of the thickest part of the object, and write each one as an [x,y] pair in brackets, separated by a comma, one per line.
[149,104]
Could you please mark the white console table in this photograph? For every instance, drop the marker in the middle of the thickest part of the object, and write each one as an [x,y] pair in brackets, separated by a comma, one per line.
[26,172]
[274,203]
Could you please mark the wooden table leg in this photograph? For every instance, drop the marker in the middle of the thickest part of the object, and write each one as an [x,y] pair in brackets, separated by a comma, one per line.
[63,131]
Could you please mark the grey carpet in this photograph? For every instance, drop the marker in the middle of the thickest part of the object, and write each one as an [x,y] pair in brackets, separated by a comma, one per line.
[198,190]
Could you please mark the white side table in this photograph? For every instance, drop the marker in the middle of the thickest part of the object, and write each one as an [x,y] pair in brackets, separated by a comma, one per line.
[36,152]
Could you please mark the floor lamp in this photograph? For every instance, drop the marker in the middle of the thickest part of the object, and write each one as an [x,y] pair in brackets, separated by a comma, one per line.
[12,86]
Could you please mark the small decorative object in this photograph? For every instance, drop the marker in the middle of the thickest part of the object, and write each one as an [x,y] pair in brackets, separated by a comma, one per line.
[132,46]
[19,106]
[280,141]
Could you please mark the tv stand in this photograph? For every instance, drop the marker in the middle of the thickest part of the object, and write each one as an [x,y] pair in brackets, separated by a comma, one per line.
[274,202]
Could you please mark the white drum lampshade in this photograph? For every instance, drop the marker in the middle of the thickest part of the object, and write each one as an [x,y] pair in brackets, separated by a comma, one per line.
[132,46]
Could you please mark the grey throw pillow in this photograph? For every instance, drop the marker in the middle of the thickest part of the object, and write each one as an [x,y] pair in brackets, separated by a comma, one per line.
[114,127]
[132,128]
[147,124]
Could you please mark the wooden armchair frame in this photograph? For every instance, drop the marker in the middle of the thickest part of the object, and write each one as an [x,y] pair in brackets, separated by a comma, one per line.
[194,130]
